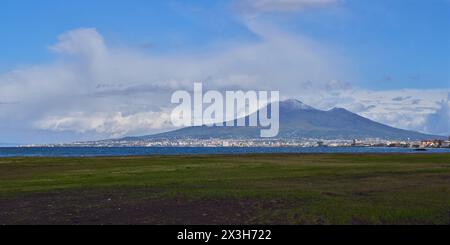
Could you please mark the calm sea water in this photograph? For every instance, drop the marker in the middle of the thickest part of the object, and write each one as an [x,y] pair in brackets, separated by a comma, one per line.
[142,151]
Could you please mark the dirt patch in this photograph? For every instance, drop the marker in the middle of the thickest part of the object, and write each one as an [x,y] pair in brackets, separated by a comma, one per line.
[128,206]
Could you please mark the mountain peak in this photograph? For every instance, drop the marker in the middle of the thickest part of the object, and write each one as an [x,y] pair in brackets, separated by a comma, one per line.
[301,121]
[293,104]
[339,109]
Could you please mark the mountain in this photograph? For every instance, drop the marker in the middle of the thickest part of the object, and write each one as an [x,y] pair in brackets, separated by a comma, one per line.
[298,120]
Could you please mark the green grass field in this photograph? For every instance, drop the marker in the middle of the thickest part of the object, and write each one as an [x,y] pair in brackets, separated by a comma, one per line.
[232,189]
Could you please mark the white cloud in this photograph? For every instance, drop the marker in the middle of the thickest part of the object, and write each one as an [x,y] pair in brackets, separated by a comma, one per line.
[112,124]
[85,42]
[95,88]
[439,122]
[91,81]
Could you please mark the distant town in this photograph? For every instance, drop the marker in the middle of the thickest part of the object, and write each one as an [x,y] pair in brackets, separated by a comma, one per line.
[262,142]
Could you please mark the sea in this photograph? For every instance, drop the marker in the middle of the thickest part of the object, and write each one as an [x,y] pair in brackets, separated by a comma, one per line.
[148,151]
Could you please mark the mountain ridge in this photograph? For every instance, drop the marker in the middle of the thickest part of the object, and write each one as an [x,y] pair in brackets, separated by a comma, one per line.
[299,120]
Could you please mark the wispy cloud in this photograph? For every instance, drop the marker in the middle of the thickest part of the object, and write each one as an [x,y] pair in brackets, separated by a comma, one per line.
[254,6]
[112,124]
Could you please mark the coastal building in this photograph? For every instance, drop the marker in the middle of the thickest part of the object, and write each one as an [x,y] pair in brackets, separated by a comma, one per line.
[435,143]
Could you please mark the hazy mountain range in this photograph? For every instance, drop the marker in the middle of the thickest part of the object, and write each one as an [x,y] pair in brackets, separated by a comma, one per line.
[298,120]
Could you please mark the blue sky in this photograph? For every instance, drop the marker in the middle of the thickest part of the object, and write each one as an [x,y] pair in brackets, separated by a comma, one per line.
[381,48]
[30,27]
[408,41]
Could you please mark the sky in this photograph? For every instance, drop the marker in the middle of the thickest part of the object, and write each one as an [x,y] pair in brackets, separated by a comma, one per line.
[87,70]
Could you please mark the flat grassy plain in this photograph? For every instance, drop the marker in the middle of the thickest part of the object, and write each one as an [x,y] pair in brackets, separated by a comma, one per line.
[227,189]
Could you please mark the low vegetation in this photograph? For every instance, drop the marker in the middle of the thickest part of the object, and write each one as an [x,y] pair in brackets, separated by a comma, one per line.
[228,189]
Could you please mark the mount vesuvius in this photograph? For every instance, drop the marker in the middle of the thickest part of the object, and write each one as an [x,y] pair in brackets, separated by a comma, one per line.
[298,120]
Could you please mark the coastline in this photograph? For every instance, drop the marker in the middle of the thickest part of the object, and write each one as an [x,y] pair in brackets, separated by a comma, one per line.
[177,151]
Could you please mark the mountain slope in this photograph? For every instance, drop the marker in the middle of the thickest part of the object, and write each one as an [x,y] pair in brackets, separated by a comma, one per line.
[298,120]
